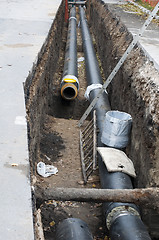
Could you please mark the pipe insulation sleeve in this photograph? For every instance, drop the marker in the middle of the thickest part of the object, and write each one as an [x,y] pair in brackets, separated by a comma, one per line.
[70,79]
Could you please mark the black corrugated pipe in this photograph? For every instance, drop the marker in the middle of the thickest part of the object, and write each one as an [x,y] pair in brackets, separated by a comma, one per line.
[73,229]
[122,219]
[69,83]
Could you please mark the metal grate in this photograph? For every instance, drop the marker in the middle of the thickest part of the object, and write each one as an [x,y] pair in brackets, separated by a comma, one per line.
[88,148]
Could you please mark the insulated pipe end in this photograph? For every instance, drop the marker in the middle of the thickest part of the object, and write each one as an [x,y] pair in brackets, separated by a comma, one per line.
[69,87]
[69,91]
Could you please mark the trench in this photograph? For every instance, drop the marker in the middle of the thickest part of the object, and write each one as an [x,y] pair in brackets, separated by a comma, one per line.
[53,133]
[59,145]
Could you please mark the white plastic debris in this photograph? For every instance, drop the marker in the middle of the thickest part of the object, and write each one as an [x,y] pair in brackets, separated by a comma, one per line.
[46,170]
[92,87]
[80,59]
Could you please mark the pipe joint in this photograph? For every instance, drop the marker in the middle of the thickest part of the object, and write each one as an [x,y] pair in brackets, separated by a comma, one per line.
[119,212]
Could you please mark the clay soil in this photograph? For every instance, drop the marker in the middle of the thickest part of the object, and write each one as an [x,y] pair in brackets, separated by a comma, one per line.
[59,146]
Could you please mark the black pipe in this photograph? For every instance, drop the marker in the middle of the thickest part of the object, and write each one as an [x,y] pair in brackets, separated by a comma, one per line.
[70,84]
[130,227]
[119,216]
[73,229]
[92,69]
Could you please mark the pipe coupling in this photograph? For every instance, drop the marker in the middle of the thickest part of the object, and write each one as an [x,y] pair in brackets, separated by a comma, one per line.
[119,212]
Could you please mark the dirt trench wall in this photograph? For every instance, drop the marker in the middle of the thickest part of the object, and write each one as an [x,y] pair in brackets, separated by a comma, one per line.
[135,90]
[38,84]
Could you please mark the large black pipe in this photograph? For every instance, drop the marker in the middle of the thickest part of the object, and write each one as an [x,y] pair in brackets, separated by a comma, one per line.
[119,216]
[92,69]
[70,84]
[73,229]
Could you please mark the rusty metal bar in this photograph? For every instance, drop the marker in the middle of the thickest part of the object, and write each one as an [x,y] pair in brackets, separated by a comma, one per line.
[141,196]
